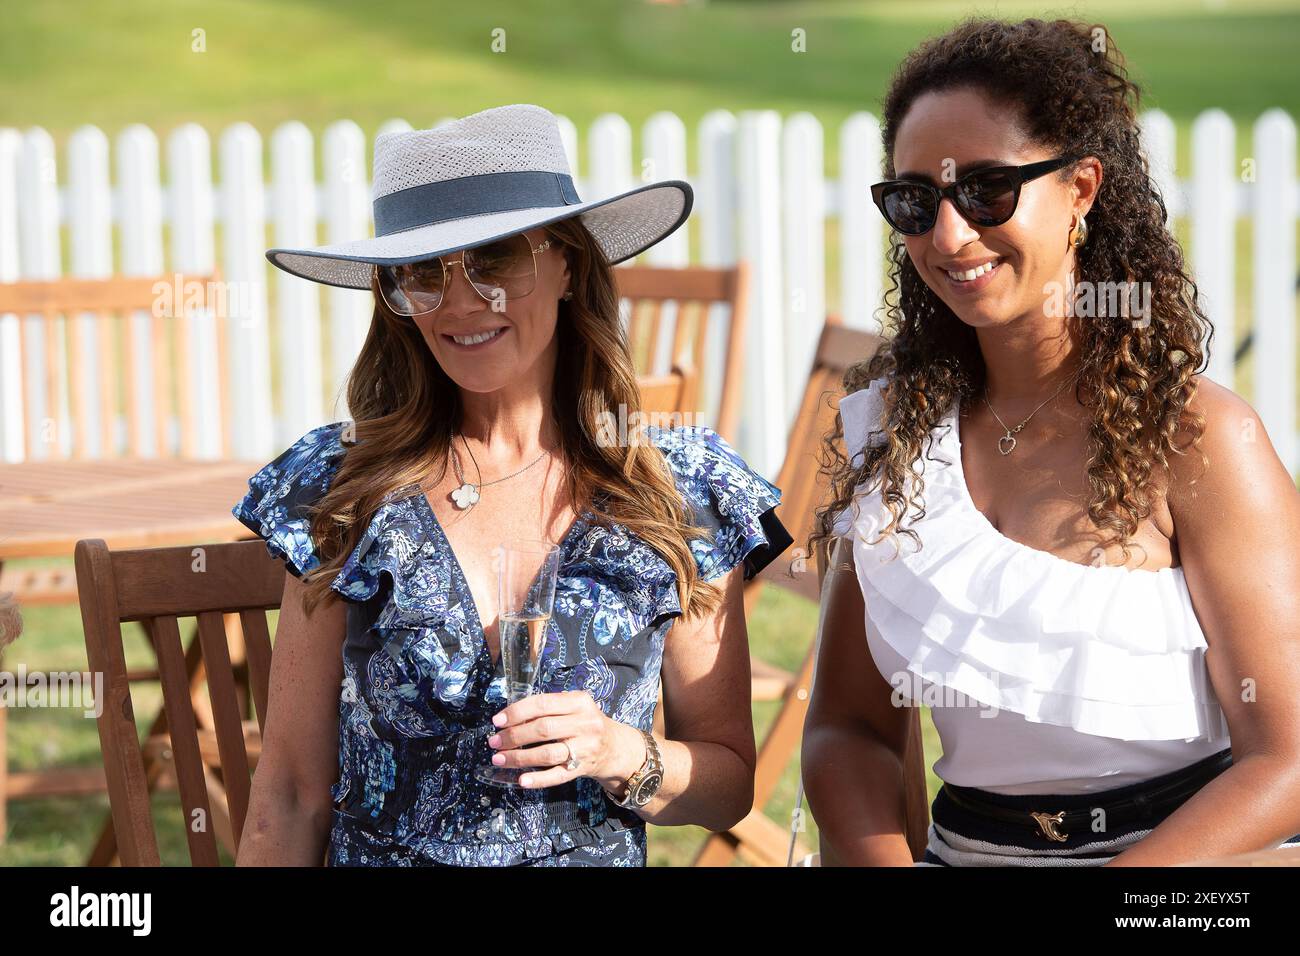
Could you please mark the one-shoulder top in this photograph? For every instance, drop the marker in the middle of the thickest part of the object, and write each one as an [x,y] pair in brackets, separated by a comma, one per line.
[1043,675]
[418,678]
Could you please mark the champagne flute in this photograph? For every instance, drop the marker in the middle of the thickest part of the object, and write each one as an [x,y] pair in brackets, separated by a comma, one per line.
[526,599]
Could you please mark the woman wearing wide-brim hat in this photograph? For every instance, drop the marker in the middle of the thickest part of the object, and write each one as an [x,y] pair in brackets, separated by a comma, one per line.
[477,401]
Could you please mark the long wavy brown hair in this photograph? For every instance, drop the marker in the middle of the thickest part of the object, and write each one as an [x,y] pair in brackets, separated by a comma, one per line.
[1070,87]
[405,409]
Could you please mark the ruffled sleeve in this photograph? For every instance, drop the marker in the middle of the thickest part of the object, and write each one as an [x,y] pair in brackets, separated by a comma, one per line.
[280,495]
[863,415]
[730,500]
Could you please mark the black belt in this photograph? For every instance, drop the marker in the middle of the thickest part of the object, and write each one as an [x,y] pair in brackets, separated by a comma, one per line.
[1150,800]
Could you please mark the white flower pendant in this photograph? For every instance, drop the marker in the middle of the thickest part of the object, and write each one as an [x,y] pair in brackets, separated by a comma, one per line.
[466,496]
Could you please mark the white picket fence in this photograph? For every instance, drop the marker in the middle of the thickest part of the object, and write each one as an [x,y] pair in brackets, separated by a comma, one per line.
[761,193]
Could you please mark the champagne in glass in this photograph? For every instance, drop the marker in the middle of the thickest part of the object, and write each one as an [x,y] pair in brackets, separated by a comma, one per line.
[522,638]
[526,599]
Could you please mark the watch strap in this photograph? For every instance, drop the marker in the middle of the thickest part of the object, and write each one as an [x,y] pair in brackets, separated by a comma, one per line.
[651,763]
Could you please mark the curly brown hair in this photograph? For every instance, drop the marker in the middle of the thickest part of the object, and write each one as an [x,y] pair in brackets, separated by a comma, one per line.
[1069,86]
[406,409]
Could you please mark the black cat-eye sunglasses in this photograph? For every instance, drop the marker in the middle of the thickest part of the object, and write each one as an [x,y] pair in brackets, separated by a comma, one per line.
[986,197]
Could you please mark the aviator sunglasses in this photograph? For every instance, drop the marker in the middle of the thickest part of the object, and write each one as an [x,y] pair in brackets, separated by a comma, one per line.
[985,197]
[504,269]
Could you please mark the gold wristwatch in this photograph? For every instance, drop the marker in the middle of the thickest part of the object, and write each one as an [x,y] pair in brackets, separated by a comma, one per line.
[645,783]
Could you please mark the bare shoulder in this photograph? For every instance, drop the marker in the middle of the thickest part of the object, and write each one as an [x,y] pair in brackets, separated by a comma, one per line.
[1240,467]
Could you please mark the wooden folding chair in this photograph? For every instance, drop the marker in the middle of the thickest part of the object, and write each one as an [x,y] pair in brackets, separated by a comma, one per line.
[697,292]
[205,741]
[757,839]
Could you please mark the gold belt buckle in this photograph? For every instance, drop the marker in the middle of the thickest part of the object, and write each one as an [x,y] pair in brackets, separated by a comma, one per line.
[1047,822]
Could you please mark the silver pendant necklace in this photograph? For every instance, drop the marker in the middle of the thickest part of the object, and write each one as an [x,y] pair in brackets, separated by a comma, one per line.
[1007,443]
[467,495]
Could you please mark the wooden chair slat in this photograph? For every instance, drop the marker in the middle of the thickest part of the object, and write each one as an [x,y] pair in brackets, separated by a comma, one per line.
[628,316]
[79,398]
[689,335]
[221,822]
[182,353]
[665,395]
[71,294]
[106,352]
[236,576]
[700,283]
[133,401]
[700,342]
[687,321]
[258,642]
[226,715]
[223,394]
[163,382]
[654,326]
[57,782]
[53,405]
[156,771]
[733,365]
[24,385]
[184,736]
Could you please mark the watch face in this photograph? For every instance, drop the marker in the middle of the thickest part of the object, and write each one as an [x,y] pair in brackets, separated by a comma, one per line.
[650,785]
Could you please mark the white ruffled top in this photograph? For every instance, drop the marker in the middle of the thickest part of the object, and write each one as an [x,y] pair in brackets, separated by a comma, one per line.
[1043,675]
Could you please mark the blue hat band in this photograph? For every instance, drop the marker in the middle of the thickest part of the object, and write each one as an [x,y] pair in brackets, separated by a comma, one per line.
[431,203]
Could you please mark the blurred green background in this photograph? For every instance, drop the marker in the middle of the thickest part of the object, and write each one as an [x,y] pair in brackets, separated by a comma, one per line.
[65,64]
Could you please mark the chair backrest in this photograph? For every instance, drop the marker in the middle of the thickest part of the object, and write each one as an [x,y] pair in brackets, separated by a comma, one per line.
[666,398]
[112,350]
[804,487]
[708,311]
[158,587]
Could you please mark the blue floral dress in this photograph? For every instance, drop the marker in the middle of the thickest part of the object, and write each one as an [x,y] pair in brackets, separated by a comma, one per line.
[419,684]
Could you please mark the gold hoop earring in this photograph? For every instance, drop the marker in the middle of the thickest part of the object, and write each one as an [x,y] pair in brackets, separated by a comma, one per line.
[1079,233]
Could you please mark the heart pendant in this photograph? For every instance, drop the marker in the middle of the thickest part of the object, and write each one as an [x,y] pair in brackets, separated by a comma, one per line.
[466,496]
[1007,449]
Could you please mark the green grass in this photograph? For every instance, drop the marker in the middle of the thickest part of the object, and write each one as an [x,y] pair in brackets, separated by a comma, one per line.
[66,63]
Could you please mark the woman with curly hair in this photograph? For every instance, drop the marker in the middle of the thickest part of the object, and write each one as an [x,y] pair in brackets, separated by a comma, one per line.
[1103,622]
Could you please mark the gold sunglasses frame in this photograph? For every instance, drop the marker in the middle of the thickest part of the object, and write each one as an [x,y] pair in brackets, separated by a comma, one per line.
[446,278]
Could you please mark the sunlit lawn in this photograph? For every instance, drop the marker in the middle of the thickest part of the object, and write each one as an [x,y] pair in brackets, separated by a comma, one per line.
[66,63]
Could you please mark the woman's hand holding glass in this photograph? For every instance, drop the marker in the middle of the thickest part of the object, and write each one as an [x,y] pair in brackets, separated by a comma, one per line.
[564,736]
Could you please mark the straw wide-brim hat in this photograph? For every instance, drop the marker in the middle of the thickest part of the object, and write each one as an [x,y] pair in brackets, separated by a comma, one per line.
[477,179]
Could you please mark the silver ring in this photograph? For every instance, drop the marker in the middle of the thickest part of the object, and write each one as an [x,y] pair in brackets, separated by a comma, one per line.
[572,762]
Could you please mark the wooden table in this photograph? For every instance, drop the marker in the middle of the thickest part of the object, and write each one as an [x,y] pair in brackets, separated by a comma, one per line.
[46,507]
